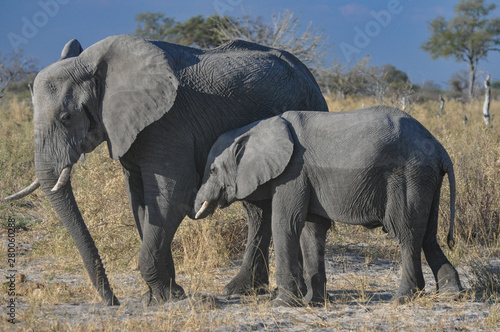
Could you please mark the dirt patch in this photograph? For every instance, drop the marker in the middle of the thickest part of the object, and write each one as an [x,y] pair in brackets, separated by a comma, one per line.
[361,289]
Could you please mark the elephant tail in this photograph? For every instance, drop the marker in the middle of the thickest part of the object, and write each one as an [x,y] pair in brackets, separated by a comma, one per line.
[448,168]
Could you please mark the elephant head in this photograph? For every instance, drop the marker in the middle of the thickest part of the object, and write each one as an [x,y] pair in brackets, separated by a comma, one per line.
[76,102]
[241,161]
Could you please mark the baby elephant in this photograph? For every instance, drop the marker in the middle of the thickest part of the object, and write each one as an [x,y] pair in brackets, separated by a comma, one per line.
[372,167]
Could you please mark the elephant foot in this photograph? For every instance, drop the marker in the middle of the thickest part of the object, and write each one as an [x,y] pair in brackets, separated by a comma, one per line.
[287,300]
[448,285]
[406,296]
[317,300]
[402,299]
[111,301]
[246,284]
[451,292]
[152,298]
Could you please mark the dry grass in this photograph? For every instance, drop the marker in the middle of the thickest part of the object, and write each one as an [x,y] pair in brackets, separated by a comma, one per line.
[203,250]
[474,150]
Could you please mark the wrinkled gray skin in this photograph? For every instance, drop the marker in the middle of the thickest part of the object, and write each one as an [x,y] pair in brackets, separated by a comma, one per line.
[159,107]
[372,167]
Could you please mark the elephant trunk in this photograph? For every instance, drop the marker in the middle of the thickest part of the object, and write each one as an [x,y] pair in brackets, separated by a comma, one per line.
[63,201]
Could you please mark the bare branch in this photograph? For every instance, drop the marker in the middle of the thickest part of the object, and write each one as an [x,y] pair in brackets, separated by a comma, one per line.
[14,67]
[284,33]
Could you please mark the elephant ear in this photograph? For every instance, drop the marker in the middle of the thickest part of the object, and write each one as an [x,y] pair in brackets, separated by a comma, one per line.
[71,49]
[138,86]
[261,154]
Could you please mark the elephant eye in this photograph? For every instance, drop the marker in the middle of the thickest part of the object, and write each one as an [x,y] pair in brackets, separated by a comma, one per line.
[213,170]
[65,118]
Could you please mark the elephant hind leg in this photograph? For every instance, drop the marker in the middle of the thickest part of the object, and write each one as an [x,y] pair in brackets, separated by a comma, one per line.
[406,219]
[412,278]
[447,280]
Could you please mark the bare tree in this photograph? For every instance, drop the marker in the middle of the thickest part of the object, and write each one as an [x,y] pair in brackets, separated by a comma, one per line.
[344,80]
[487,95]
[459,82]
[14,67]
[361,78]
[379,86]
[284,33]
[441,106]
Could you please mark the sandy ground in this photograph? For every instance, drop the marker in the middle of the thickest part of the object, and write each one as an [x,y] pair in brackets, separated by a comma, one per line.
[361,292]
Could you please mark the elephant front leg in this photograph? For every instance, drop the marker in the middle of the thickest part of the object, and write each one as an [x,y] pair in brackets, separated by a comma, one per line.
[288,221]
[135,192]
[168,200]
[253,276]
[157,267]
[288,273]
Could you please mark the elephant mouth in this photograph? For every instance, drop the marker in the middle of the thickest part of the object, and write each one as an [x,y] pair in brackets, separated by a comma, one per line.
[223,204]
[208,207]
[61,182]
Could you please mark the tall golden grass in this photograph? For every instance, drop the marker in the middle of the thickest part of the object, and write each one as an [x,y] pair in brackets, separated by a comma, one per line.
[202,248]
[474,149]
[100,191]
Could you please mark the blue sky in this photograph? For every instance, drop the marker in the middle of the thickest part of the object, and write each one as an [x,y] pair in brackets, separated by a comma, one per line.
[391,31]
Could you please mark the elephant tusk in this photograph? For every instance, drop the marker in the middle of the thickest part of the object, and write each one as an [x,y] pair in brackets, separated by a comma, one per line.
[203,208]
[25,192]
[63,179]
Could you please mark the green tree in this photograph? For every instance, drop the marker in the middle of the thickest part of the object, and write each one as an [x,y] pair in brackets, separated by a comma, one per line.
[202,32]
[392,75]
[284,33]
[154,26]
[468,36]
[196,31]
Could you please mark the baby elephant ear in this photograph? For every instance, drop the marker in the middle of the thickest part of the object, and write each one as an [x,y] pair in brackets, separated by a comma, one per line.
[261,154]
[71,49]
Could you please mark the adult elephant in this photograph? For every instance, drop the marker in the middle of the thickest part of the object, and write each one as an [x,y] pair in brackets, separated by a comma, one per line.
[159,107]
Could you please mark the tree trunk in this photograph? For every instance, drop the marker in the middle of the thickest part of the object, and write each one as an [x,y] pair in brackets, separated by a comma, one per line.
[472,78]
[487,96]
[441,106]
